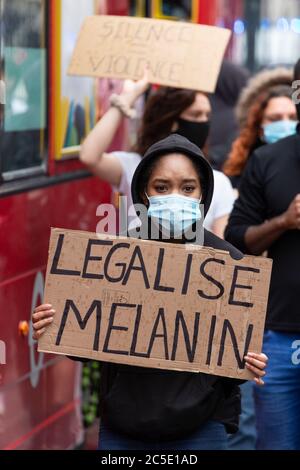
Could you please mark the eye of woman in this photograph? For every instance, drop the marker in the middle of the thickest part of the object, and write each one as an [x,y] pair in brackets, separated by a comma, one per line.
[189,188]
[293,117]
[160,188]
[274,117]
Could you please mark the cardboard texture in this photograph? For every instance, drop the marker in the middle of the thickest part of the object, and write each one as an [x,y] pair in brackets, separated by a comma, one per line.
[154,304]
[179,54]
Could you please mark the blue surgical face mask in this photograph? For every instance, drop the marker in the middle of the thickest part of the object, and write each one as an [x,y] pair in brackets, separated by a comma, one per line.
[278,130]
[174,213]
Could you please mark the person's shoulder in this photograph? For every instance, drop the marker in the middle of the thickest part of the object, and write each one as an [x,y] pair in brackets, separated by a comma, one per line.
[223,193]
[129,156]
[275,150]
[213,241]
[270,156]
[221,179]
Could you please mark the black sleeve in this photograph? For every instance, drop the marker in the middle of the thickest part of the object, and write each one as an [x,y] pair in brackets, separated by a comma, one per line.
[78,359]
[249,208]
[213,241]
[233,382]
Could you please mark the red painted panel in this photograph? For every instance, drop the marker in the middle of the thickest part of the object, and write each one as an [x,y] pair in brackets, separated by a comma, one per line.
[38,387]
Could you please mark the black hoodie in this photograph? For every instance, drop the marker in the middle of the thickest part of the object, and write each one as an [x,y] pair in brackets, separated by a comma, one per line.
[159,405]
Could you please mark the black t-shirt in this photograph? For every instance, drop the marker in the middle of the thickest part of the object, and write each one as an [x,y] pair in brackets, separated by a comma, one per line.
[269,184]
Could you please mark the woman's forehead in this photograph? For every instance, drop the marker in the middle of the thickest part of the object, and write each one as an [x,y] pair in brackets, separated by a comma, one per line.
[201,102]
[280,104]
[174,163]
[174,158]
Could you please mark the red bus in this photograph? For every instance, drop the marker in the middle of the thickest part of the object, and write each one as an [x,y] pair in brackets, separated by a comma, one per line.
[43,184]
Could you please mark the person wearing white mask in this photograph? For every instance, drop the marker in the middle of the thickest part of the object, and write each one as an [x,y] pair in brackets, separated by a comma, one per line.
[266,114]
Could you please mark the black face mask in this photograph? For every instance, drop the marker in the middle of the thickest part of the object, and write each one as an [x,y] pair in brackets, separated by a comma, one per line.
[196,132]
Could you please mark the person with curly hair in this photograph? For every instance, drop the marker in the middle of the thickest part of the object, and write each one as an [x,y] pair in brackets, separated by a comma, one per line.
[266,114]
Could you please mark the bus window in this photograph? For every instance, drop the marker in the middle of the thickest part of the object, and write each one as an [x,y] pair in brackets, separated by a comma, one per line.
[137,7]
[23,74]
[173,9]
[278,24]
[76,96]
[265,32]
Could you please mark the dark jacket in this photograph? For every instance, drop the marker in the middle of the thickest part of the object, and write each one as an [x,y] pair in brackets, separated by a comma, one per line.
[224,126]
[151,404]
[269,184]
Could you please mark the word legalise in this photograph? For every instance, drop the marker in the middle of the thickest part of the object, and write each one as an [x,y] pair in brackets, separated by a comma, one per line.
[138,263]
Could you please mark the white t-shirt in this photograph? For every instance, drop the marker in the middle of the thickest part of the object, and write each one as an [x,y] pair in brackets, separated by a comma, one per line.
[222,200]
[129,161]
[221,204]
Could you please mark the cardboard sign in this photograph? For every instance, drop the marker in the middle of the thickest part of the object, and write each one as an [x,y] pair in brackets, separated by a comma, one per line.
[154,304]
[179,54]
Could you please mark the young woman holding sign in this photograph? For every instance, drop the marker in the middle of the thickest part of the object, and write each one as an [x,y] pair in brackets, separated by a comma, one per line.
[152,409]
[167,110]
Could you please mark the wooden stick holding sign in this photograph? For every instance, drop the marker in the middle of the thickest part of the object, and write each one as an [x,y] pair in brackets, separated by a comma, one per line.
[154,304]
[178,54]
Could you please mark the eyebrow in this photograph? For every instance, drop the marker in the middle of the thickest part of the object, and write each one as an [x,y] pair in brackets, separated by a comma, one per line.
[278,114]
[160,180]
[190,180]
[166,180]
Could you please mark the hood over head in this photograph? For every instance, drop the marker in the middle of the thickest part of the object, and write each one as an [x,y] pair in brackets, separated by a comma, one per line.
[260,83]
[174,143]
[232,79]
